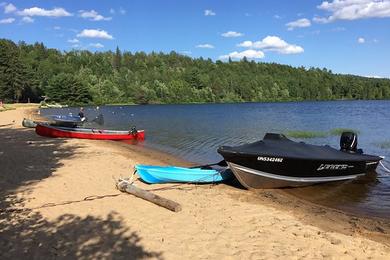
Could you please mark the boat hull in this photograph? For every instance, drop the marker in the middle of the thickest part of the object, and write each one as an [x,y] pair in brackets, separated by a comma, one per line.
[85,133]
[256,179]
[277,162]
[171,174]
[29,123]
[67,120]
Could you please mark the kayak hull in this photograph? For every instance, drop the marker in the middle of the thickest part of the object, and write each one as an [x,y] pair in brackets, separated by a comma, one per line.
[171,174]
[86,133]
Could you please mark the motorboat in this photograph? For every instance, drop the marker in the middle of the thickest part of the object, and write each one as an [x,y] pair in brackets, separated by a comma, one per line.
[67,120]
[277,161]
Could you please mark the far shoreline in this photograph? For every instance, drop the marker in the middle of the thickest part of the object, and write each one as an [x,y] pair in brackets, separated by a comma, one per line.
[196,103]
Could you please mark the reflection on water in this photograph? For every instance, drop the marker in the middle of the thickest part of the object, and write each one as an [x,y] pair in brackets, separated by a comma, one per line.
[194,132]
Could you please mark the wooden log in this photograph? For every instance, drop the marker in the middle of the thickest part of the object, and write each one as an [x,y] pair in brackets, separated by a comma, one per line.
[147,195]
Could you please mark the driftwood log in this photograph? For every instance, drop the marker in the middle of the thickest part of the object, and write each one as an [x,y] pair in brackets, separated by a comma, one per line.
[147,195]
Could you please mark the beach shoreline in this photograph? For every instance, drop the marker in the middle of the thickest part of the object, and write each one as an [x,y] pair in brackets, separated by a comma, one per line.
[56,190]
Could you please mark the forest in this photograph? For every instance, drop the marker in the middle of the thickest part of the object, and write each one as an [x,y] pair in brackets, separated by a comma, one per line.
[29,72]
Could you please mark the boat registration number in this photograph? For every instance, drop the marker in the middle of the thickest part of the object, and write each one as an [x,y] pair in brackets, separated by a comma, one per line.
[269,159]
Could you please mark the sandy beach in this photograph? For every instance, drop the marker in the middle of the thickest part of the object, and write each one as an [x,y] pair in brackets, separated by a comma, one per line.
[58,200]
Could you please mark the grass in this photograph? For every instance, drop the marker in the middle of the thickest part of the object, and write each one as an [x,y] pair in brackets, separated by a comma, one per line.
[339,131]
[306,134]
[318,134]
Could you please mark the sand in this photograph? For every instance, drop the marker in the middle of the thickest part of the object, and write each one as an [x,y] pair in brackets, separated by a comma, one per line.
[58,200]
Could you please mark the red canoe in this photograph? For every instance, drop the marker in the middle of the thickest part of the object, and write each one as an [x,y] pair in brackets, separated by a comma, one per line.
[87,133]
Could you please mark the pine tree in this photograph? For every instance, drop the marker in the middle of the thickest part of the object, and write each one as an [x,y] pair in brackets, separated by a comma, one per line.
[117,59]
[12,72]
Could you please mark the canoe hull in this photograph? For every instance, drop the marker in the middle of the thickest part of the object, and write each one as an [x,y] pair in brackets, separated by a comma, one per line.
[84,133]
[172,174]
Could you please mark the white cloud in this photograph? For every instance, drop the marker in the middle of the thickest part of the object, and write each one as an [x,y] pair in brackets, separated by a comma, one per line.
[209,12]
[122,11]
[96,45]
[361,40]
[93,16]
[57,28]
[73,40]
[375,76]
[95,33]
[9,8]
[273,43]
[355,9]
[300,23]
[205,46]
[250,54]
[317,19]
[112,11]
[27,19]
[185,52]
[36,11]
[276,16]
[7,20]
[231,34]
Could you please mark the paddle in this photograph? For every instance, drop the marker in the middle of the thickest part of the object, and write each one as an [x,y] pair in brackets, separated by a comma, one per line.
[221,163]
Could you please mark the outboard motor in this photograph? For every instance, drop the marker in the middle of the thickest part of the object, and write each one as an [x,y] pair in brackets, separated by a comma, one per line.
[133,130]
[348,142]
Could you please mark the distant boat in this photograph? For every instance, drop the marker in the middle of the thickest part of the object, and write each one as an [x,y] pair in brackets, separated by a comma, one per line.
[277,161]
[88,133]
[171,174]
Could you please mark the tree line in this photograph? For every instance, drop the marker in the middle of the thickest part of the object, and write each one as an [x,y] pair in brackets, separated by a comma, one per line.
[31,71]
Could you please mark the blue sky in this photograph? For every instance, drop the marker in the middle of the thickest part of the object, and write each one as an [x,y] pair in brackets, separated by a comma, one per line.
[346,36]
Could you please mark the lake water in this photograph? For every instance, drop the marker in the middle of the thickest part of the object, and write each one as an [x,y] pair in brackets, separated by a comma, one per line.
[194,132]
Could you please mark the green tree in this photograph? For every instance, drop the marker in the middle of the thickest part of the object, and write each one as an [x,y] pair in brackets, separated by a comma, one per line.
[66,88]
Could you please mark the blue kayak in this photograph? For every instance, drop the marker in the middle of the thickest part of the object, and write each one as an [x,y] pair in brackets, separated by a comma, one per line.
[165,174]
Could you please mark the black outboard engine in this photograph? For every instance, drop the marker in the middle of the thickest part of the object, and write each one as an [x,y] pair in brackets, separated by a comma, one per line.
[348,142]
[133,130]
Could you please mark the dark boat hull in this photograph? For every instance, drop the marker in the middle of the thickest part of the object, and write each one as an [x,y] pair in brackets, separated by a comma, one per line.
[276,163]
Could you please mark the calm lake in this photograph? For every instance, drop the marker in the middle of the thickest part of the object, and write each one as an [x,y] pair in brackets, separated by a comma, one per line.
[194,132]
